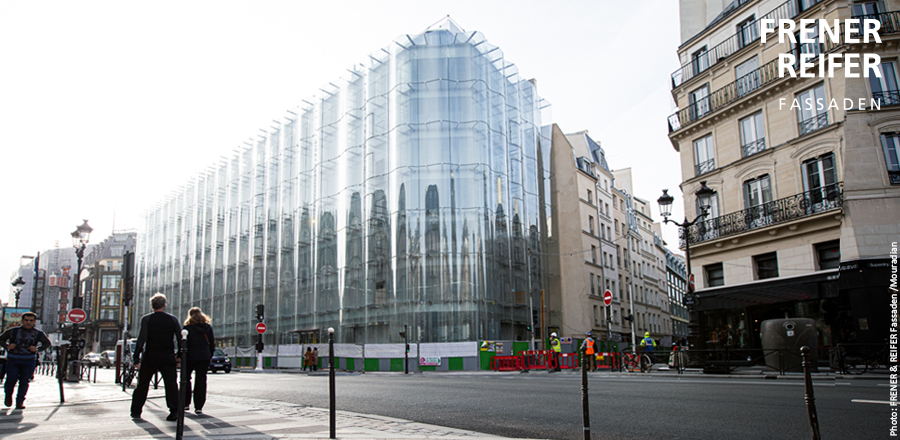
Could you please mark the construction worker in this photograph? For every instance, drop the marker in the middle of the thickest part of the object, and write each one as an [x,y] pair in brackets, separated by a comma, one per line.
[647,344]
[587,347]
[556,346]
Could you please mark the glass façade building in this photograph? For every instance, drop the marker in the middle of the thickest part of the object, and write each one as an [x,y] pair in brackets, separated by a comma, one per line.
[407,193]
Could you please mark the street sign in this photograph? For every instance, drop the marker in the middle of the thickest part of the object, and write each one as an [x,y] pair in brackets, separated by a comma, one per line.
[691,287]
[690,299]
[261,328]
[607,297]
[77,316]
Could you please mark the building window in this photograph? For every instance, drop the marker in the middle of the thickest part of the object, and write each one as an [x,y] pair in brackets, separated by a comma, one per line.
[594,254]
[715,275]
[109,299]
[890,144]
[747,31]
[884,89]
[699,61]
[865,8]
[591,222]
[116,251]
[807,50]
[596,315]
[757,193]
[829,254]
[704,157]
[746,76]
[753,134]
[812,114]
[766,266]
[699,102]
[819,179]
[592,282]
[111,281]
[109,314]
[590,197]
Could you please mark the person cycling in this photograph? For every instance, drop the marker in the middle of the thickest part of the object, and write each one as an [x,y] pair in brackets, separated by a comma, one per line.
[647,344]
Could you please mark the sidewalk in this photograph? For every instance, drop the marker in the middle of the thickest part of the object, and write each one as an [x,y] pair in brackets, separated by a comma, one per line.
[101,411]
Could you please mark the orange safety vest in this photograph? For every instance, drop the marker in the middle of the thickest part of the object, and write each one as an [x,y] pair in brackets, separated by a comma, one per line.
[590,346]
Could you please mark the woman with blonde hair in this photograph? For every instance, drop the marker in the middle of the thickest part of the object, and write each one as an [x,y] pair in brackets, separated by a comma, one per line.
[201,345]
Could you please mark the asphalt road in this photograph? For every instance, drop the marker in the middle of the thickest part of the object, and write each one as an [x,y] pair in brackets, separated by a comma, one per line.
[541,405]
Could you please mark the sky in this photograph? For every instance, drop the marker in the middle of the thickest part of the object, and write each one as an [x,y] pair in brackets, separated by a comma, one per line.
[107,107]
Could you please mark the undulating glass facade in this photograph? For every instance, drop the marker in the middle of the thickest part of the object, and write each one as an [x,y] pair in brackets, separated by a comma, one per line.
[407,193]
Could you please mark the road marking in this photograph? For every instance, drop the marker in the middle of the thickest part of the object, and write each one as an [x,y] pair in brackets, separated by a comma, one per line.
[872,401]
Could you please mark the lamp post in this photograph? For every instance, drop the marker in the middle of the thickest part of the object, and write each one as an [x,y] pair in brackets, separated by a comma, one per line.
[17,285]
[80,238]
[665,209]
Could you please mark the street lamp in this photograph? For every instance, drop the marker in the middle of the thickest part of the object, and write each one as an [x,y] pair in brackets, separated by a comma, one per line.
[80,238]
[17,285]
[704,194]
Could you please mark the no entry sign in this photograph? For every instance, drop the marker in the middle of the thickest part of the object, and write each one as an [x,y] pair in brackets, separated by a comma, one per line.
[77,316]
[261,328]
[607,297]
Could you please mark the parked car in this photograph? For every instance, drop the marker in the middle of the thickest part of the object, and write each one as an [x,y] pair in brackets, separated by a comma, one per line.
[109,355]
[92,359]
[219,362]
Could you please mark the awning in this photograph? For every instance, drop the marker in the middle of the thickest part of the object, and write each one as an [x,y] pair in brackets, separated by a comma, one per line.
[816,285]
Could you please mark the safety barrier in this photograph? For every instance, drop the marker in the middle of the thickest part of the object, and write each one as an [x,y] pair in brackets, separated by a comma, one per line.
[537,359]
[507,363]
[608,361]
[568,361]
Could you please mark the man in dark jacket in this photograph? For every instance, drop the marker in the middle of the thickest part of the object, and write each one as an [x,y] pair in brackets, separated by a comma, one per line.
[159,331]
[22,345]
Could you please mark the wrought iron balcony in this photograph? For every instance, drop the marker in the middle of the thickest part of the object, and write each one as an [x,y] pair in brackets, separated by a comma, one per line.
[744,36]
[753,147]
[812,124]
[778,211]
[725,95]
[704,167]
[887,97]
[890,21]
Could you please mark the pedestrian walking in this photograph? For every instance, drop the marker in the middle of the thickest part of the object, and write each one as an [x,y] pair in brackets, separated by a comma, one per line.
[159,331]
[308,359]
[315,359]
[22,345]
[587,347]
[201,345]
[556,346]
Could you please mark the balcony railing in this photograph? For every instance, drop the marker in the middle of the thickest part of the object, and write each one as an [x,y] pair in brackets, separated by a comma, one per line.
[887,97]
[704,167]
[744,36]
[725,95]
[890,21]
[812,124]
[753,147]
[778,211]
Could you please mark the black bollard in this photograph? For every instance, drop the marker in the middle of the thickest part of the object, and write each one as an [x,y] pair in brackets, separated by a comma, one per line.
[585,407]
[61,370]
[182,349]
[810,398]
[331,416]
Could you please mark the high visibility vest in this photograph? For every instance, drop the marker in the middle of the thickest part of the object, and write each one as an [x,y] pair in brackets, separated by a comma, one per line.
[555,345]
[590,346]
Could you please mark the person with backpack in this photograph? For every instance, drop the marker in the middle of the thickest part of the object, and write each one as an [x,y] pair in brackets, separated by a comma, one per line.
[201,345]
[22,345]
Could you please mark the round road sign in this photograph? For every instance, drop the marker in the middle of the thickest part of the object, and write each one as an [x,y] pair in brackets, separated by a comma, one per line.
[261,328]
[691,286]
[77,316]
[607,297]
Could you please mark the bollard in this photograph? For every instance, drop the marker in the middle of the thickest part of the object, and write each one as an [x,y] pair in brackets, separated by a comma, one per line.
[61,370]
[585,407]
[182,390]
[331,416]
[810,398]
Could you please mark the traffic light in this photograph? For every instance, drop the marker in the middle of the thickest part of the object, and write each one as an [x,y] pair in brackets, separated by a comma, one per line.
[628,318]
[259,346]
[260,316]
[128,277]
[403,335]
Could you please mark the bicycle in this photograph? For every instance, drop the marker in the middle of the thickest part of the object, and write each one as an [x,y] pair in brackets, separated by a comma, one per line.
[633,362]
[128,374]
[859,362]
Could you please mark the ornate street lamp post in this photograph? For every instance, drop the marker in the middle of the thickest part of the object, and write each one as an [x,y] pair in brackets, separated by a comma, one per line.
[17,284]
[80,238]
[665,209]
